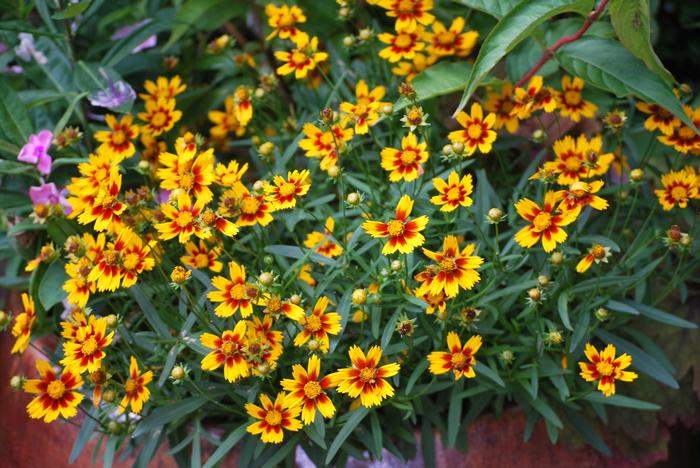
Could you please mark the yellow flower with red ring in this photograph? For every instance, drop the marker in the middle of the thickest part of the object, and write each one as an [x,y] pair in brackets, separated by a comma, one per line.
[453,193]
[678,188]
[116,142]
[188,171]
[453,269]
[534,97]
[200,256]
[273,418]
[477,131]
[275,307]
[408,13]
[182,220]
[302,59]
[581,194]
[404,234]
[366,378]
[546,222]
[136,392]
[77,285]
[406,163]
[605,368]
[105,208]
[459,359]
[163,88]
[319,325]
[307,391]
[402,46]
[501,104]
[683,138]
[271,339]
[453,41]
[283,193]
[22,328]
[226,121]
[571,102]
[578,159]
[283,20]
[598,253]
[160,116]
[659,118]
[323,241]
[233,293]
[55,395]
[85,351]
[228,351]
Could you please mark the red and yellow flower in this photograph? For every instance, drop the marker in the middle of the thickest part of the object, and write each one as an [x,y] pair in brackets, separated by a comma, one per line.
[453,269]
[105,208]
[406,163]
[254,209]
[402,46]
[453,193]
[55,395]
[545,223]
[120,262]
[163,88]
[323,241]
[261,331]
[302,59]
[571,102]
[534,97]
[188,171]
[200,256]
[77,285]
[283,193]
[659,118]
[579,159]
[233,293]
[679,187]
[325,144]
[501,104]
[226,121]
[228,350]
[275,306]
[605,368]
[116,142]
[366,379]
[85,351]
[598,253]
[404,234]
[22,328]
[182,220]
[477,131]
[581,194]
[273,418]
[283,20]
[136,392]
[307,390]
[453,41]
[408,13]
[160,116]
[319,325]
[683,138]
[459,359]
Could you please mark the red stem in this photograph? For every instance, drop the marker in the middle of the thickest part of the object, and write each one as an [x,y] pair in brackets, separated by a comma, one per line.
[590,19]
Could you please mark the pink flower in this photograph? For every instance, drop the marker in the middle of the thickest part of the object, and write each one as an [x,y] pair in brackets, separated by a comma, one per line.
[48,194]
[36,151]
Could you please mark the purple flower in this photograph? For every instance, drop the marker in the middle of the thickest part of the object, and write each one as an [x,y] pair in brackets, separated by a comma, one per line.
[36,151]
[126,31]
[118,95]
[27,51]
[48,194]
[162,196]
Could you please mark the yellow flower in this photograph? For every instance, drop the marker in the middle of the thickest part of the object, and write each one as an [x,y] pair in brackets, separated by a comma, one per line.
[406,163]
[477,131]
[77,285]
[545,222]
[325,144]
[605,368]
[284,19]
[254,209]
[453,269]
[136,392]
[597,253]
[460,359]
[450,41]
[578,159]
[319,325]
[410,69]
[324,240]
[201,256]
[242,104]
[408,13]
[454,192]
[571,103]
[183,220]
[581,194]
[679,187]
[56,396]
[403,45]
[116,142]
[228,350]
[104,208]
[188,171]
[233,293]
[85,351]
[273,418]
[404,234]
[283,194]
[366,379]
[22,328]
[160,116]
[364,112]
[683,138]
[502,105]
[659,118]
[302,59]
[227,121]
[307,391]
[533,98]
[163,88]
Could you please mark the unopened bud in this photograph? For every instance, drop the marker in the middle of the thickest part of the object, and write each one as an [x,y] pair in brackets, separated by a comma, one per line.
[495,215]
[178,373]
[334,171]
[507,356]
[144,165]
[534,294]
[266,278]
[113,427]
[543,280]
[674,233]
[458,147]
[637,175]
[359,296]
[396,265]
[539,136]
[4,319]
[353,198]
[344,12]
[16,382]
[109,396]
[111,320]
[602,314]
[313,345]
[557,258]
[348,41]
[295,299]
[258,186]
[408,91]
[364,34]
[441,314]
[266,148]
[387,109]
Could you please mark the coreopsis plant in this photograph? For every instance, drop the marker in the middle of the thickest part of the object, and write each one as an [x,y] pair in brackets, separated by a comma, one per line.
[280,223]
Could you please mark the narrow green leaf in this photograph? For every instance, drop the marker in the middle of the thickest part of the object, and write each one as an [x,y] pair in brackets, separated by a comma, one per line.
[83,437]
[563,307]
[72,10]
[514,27]
[659,315]
[618,306]
[110,449]
[169,413]
[581,424]
[581,330]
[68,113]
[355,418]
[454,416]
[621,400]
[542,407]
[489,373]
[376,434]
[226,445]
[417,372]
[282,452]
[149,311]
[203,14]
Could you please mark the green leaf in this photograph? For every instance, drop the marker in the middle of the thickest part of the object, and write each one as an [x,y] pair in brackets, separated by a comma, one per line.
[621,400]
[169,413]
[355,418]
[67,114]
[294,251]
[203,15]
[563,307]
[282,452]
[124,47]
[149,311]
[15,167]
[581,424]
[631,21]
[438,80]
[15,125]
[376,435]
[83,437]
[417,372]
[607,65]
[226,445]
[518,24]
[51,287]
[542,407]
[489,373]
[581,330]
[659,315]
[110,449]
[495,8]
[72,10]
[618,306]
[454,415]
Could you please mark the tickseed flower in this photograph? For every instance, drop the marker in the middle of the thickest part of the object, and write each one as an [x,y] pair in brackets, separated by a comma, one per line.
[275,306]
[678,188]
[571,102]
[261,331]
[477,131]
[233,293]
[365,112]
[410,69]
[228,351]
[403,45]
[325,144]
[581,194]
[366,379]
[406,163]
[179,275]
[120,262]
[116,142]
[453,269]
[414,118]
[160,116]
[443,42]
[502,105]
[307,390]
[254,210]
[283,193]
[604,368]
[683,138]
[136,392]
[459,359]
[659,118]
[182,221]
[578,159]
[273,418]
[535,97]
[326,246]
[22,328]
[319,325]
[597,253]
[283,20]
[163,88]
[56,395]
[453,193]
[302,59]
[404,234]
[226,121]
[243,104]
[231,175]
[85,351]
[201,256]
[47,254]
[188,171]
[104,208]
[545,222]
[408,13]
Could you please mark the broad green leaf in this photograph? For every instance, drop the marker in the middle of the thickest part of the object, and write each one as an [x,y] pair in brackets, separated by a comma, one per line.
[607,65]
[495,8]
[15,125]
[355,418]
[621,400]
[632,23]
[513,28]
[169,413]
[226,445]
[438,80]
[563,307]
[203,15]
[51,287]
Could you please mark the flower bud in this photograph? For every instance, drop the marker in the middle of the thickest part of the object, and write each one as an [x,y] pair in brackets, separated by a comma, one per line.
[446,150]
[396,265]
[458,147]
[269,260]
[295,299]
[364,34]
[353,198]
[111,320]
[686,240]
[144,165]
[266,148]
[259,93]
[266,278]
[113,427]
[109,396]
[495,215]
[507,356]
[178,373]
[441,314]
[344,12]
[534,294]
[387,109]
[359,296]
[685,88]
[408,91]
[543,280]
[179,275]
[258,186]
[264,368]
[539,136]
[16,382]
[637,175]
[327,115]
[348,41]
[674,233]
[313,345]
[334,171]
[602,314]
[4,319]
[557,258]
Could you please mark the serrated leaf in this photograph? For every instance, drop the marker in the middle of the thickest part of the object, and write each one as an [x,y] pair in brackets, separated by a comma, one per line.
[607,65]
[631,21]
[513,28]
